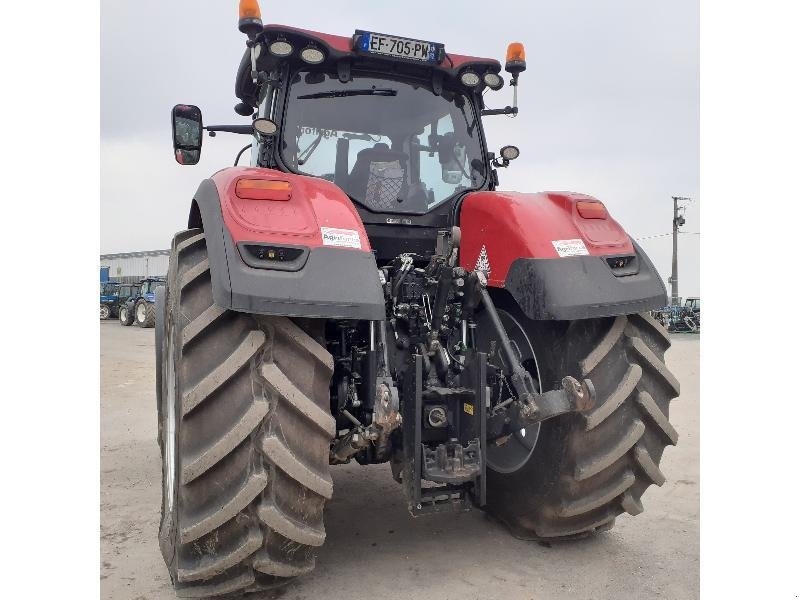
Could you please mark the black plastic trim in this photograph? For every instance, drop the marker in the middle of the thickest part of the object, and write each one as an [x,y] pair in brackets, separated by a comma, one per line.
[583,287]
[258,263]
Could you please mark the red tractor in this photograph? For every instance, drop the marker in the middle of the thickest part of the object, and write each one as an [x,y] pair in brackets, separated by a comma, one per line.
[363,291]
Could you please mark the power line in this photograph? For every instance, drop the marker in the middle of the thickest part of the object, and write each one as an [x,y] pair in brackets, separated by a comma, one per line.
[658,235]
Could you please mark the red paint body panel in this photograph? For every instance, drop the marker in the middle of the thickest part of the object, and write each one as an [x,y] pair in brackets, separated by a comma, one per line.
[336,42]
[514,225]
[345,44]
[314,203]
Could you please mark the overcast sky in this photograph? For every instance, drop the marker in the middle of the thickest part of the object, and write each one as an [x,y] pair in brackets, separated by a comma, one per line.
[609,105]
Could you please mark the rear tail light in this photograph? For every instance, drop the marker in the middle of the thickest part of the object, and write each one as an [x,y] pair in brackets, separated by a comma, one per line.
[623,265]
[619,262]
[592,210]
[263,189]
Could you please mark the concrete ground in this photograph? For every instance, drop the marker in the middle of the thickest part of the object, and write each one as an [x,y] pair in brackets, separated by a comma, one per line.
[374,549]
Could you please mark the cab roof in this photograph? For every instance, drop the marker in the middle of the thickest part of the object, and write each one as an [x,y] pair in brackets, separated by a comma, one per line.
[338,48]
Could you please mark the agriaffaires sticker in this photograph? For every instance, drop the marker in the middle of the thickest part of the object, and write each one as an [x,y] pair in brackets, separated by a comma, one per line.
[570,247]
[348,238]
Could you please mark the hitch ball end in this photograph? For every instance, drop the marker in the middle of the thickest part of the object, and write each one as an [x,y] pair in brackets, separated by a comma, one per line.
[529,410]
[583,394]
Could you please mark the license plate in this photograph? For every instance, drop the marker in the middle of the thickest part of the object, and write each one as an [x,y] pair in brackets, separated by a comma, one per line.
[389,45]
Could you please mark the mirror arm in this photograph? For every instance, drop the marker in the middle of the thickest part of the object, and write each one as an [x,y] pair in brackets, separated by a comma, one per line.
[251,44]
[514,83]
[244,129]
[508,110]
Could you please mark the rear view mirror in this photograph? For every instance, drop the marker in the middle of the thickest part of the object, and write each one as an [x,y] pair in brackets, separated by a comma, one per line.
[452,157]
[187,133]
[453,169]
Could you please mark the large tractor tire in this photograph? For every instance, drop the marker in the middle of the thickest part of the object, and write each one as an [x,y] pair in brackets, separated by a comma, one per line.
[125,315]
[576,473]
[245,430]
[144,314]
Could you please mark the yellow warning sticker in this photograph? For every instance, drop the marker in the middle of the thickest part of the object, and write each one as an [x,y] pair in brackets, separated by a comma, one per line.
[468,409]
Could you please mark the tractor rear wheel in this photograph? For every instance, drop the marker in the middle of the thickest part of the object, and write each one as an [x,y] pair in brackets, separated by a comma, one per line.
[125,316]
[244,429]
[144,314]
[582,471]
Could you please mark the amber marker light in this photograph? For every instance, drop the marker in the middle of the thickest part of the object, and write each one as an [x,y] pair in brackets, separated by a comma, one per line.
[250,18]
[515,58]
[592,210]
[516,51]
[249,9]
[263,189]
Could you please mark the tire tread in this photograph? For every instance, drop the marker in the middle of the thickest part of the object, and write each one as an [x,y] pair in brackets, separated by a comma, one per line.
[252,440]
[605,460]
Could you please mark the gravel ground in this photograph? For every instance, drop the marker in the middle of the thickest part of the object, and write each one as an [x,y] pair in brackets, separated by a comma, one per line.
[374,548]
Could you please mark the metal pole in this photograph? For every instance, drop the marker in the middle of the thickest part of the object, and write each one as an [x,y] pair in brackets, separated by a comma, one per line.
[674,278]
[677,221]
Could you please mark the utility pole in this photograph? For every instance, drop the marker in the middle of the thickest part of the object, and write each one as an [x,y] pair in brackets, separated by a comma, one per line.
[677,221]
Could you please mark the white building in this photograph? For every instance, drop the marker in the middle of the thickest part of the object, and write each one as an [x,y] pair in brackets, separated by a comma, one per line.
[130,267]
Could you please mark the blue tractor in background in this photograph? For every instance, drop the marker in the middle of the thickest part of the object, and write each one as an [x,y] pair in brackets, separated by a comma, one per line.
[125,293]
[681,318]
[139,307]
[113,297]
[109,298]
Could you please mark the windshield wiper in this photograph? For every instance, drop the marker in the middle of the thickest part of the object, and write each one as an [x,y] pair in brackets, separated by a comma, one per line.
[345,93]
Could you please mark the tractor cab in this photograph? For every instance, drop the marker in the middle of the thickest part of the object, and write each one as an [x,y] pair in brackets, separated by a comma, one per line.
[147,287]
[126,290]
[393,122]
[109,291]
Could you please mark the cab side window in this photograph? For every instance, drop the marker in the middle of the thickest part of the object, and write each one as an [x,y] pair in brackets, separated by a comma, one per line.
[430,169]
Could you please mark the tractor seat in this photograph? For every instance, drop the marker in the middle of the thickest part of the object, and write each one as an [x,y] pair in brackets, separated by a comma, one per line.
[378,177]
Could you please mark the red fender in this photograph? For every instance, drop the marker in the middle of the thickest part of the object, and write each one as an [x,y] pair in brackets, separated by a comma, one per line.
[284,244]
[511,225]
[315,206]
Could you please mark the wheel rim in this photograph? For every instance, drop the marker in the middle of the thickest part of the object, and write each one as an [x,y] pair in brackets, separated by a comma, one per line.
[104,312]
[515,452]
[169,445]
[123,314]
[140,312]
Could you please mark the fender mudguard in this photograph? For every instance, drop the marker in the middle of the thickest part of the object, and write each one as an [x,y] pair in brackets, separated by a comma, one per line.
[307,255]
[556,263]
